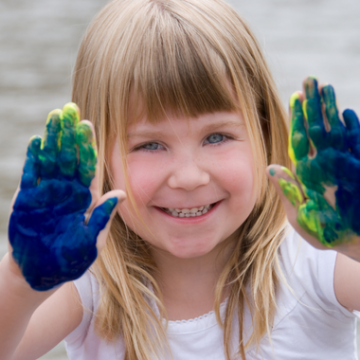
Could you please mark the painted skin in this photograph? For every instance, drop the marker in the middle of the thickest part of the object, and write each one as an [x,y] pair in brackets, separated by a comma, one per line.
[326,159]
[51,242]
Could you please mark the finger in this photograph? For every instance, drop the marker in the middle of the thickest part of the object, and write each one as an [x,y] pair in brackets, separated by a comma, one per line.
[286,186]
[331,110]
[337,132]
[87,152]
[351,119]
[104,212]
[313,113]
[31,172]
[352,131]
[68,155]
[298,142]
[50,145]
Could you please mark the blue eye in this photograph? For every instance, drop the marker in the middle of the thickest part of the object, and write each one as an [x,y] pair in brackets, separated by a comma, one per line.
[152,146]
[215,138]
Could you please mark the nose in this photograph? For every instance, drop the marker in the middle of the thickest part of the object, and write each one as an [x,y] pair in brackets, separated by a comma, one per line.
[188,176]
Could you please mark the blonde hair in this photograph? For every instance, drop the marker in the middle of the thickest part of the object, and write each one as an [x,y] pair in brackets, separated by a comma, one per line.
[181,55]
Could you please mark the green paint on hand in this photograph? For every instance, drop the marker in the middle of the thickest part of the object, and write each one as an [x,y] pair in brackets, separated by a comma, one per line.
[288,172]
[291,191]
[272,172]
[87,153]
[334,162]
[51,242]
[68,157]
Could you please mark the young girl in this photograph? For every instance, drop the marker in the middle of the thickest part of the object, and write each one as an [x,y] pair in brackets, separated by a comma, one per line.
[198,261]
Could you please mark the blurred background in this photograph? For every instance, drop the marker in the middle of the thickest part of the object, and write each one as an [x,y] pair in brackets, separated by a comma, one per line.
[39,41]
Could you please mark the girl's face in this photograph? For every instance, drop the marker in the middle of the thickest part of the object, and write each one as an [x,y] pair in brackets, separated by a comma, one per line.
[192,181]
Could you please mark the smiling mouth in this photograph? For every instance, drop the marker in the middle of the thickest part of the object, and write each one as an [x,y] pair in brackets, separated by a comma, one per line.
[185,213]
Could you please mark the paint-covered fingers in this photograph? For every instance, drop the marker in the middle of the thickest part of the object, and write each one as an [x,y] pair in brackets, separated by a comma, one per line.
[50,145]
[286,185]
[67,159]
[336,133]
[85,141]
[352,131]
[288,190]
[298,140]
[313,113]
[102,215]
[31,171]
[331,110]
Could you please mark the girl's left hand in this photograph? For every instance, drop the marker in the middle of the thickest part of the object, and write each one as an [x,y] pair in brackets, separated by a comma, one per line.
[322,200]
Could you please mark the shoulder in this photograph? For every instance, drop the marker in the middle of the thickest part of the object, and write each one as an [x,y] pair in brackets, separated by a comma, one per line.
[88,288]
[84,343]
[299,258]
[306,269]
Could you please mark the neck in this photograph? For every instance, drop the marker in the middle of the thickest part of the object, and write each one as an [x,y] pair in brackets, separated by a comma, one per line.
[188,285]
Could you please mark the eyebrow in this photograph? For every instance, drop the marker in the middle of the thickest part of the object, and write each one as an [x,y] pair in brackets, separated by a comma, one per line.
[146,133]
[220,124]
[207,128]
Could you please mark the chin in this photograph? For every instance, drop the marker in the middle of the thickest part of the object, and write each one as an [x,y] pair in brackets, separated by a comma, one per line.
[190,250]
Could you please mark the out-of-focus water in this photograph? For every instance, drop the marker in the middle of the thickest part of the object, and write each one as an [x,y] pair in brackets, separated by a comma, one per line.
[39,40]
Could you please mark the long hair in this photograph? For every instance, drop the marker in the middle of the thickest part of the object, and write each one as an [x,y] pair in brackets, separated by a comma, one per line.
[181,55]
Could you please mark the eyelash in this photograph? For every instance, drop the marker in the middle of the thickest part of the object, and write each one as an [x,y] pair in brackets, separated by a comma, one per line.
[226,138]
[142,147]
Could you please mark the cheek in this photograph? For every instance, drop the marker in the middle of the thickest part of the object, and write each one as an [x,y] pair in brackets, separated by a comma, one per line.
[142,180]
[237,175]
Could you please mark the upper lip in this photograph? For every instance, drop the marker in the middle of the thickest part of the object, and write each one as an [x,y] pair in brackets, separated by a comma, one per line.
[186,207]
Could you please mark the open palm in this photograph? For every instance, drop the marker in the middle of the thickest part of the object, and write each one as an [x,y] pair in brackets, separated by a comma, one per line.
[50,239]
[326,155]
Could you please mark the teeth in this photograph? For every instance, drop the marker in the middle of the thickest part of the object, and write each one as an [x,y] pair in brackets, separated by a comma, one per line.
[188,212]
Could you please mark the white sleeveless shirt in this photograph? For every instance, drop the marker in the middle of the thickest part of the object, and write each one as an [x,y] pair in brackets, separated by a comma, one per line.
[309,322]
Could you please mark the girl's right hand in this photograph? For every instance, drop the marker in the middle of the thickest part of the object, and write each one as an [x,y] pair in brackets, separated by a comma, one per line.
[50,239]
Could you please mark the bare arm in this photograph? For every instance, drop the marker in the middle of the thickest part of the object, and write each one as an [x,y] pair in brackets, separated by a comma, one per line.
[27,317]
[346,282]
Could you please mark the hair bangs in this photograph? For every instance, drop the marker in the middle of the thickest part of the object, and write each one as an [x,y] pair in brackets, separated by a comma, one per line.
[178,71]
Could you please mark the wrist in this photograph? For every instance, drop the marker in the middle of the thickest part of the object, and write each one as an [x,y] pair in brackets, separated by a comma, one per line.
[13,281]
[351,249]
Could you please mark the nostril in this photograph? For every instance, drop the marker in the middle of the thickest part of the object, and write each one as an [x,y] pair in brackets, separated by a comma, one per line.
[188,178]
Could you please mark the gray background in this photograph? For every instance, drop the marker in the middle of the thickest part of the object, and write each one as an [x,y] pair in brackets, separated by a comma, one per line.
[39,41]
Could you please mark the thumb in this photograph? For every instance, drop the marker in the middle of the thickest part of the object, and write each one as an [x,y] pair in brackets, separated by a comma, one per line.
[102,215]
[287,188]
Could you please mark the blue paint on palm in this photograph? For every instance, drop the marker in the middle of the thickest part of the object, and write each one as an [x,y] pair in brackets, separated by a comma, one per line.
[51,241]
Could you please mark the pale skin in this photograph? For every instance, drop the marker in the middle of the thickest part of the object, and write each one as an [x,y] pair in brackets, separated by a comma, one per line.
[175,163]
